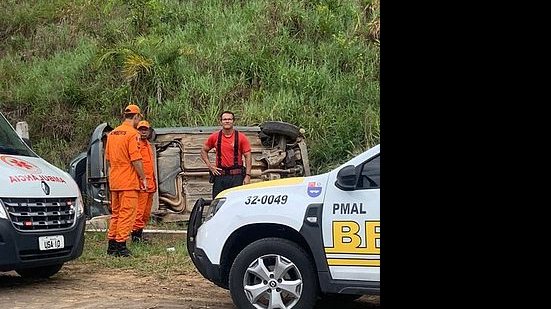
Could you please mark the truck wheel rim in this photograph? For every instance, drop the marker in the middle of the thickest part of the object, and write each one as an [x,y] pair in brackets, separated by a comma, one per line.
[272,281]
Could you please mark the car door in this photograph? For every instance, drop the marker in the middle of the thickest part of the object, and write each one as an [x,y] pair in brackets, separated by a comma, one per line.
[97,188]
[351,222]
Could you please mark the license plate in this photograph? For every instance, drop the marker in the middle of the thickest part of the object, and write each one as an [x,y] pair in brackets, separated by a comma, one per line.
[51,242]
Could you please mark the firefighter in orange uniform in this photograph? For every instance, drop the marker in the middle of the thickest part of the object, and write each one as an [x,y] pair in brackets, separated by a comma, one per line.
[145,198]
[126,179]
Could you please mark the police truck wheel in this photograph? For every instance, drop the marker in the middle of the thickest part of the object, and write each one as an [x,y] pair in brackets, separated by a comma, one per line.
[273,273]
[39,272]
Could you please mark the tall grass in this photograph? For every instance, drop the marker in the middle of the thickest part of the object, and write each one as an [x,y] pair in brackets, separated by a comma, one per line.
[67,66]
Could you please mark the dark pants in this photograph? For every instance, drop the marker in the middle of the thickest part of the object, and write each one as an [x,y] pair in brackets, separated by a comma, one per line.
[222,183]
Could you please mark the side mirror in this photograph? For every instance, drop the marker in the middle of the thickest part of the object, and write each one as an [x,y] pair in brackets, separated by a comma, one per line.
[28,142]
[346,178]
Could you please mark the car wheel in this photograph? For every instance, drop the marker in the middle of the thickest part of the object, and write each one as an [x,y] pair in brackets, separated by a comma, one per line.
[39,272]
[280,127]
[273,273]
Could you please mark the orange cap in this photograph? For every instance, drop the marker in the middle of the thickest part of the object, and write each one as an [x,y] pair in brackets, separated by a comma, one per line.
[132,109]
[143,123]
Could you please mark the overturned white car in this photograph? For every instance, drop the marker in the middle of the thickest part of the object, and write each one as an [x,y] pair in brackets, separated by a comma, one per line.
[278,151]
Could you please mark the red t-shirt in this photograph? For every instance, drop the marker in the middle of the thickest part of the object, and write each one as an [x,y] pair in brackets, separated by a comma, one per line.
[227,147]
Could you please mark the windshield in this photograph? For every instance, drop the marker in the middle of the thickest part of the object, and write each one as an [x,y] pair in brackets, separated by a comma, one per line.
[10,143]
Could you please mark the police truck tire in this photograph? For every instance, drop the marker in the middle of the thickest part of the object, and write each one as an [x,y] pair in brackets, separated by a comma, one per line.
[39,272]
[281,128]
[298,274]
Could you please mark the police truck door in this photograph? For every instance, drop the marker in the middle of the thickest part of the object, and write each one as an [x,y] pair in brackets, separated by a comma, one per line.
[351,224]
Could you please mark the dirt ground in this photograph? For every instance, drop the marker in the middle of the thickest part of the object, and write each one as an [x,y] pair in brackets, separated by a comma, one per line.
[83,286]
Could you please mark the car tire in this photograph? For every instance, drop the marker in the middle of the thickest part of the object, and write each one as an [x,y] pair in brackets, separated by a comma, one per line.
[298,276]
[281,128]
[39,272]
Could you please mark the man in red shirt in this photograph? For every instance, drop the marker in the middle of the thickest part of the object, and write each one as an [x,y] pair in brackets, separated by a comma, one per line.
[231,146]
[145,198]
[126,179]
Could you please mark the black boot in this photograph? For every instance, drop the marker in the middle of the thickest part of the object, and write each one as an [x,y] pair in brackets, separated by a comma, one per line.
[122,250]
[138,237]
[112,247]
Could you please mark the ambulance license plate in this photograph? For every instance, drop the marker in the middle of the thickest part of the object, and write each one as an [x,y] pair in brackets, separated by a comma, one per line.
[51,242]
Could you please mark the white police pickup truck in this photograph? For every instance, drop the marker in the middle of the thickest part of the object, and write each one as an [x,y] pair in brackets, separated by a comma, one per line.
[283,243]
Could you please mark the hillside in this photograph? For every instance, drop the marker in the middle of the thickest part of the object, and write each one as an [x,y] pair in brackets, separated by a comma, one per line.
[68,65]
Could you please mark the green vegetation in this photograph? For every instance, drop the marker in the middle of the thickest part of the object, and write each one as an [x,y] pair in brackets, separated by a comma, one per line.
[150,259]
[68,65]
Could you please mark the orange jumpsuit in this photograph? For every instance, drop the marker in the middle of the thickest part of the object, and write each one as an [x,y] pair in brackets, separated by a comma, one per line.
[145,198]
[122,148]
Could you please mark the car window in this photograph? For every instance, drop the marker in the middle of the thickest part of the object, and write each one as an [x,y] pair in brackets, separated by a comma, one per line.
[370,174]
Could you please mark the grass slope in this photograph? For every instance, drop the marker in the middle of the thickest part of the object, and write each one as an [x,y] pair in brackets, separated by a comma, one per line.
[66,66]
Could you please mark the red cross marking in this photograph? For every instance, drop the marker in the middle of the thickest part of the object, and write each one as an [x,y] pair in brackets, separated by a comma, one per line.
[21,164]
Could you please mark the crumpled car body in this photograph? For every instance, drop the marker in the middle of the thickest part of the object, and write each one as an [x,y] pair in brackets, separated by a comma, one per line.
[278,151]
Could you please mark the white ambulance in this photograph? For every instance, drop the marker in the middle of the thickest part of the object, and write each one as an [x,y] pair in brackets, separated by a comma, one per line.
[284,243]
[41,210]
